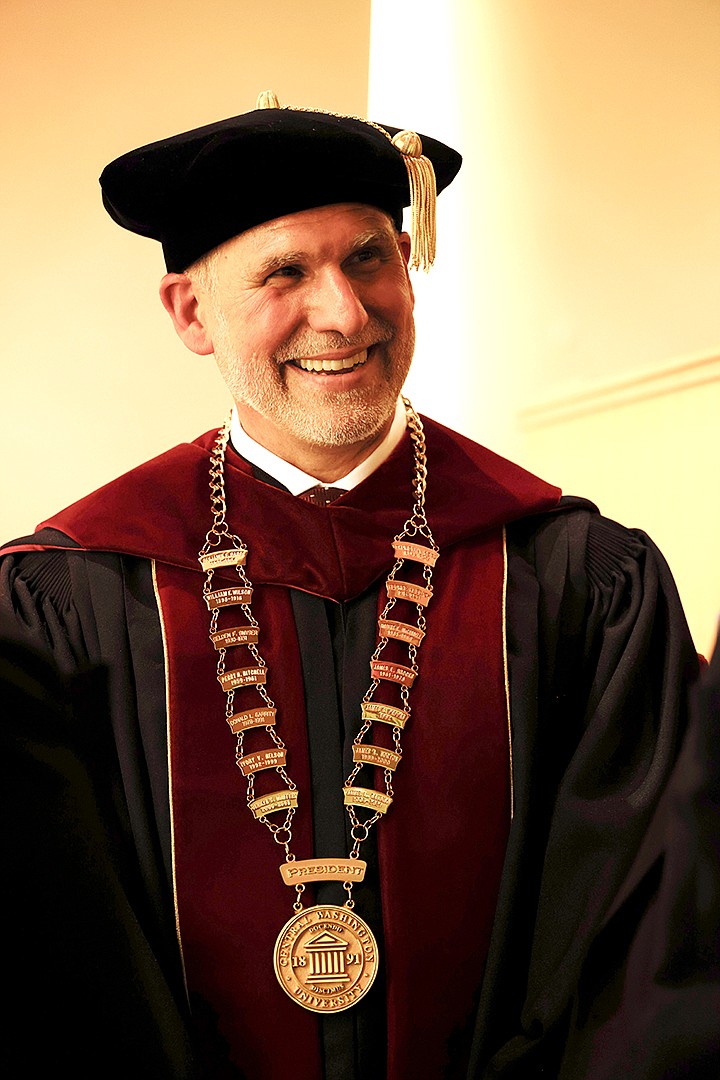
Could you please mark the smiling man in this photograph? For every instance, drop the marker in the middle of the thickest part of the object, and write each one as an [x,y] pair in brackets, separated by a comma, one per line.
[388,716]
[310,320]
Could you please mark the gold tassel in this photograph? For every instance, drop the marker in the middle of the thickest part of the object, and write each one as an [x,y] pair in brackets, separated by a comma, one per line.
[423,198]
[267,99]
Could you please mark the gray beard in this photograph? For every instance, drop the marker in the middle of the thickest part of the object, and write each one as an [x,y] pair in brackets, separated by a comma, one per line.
[318,419]
[354,417]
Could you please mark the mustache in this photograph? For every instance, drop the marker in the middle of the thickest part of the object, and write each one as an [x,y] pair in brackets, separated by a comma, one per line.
[308,343]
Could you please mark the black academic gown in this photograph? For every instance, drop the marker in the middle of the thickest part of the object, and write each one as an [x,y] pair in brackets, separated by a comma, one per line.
[599,659]
[649,1000]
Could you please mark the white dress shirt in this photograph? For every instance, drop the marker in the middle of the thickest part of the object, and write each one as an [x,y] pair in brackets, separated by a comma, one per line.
[297,481]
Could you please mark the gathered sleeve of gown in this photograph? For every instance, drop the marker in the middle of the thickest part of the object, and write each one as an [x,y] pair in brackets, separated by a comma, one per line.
[39,605]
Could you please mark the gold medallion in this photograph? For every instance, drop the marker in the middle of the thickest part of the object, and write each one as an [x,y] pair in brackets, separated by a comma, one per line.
[326,958]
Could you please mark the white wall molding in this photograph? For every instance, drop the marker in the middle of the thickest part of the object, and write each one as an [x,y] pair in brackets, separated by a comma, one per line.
[668,378]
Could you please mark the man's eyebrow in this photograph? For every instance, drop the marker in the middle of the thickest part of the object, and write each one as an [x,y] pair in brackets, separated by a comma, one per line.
[374,236]
[281,258]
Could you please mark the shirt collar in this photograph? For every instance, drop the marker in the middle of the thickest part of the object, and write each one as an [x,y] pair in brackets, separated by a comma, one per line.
[297,481]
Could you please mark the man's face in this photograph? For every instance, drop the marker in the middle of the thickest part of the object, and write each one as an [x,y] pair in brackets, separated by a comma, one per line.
[311,322]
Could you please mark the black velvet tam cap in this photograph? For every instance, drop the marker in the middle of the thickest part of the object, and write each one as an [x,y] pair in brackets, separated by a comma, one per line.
[195,190]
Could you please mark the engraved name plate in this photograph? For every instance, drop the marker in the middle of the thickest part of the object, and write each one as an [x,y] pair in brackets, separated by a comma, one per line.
[227,557]
[251,718]
[376,755]
[245,676]
[220,598]
[276,800]
[405,590]
[323,870]
[400,631]
[235,635]
[387,714]
[361,796]
[383,669]
[418,552]
[262,759]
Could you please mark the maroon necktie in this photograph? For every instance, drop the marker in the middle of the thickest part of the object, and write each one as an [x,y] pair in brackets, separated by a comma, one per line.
[320,495]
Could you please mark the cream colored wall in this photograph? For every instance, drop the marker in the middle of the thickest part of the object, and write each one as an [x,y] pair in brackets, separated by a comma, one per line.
[93,378]
[578,286]
[646,449]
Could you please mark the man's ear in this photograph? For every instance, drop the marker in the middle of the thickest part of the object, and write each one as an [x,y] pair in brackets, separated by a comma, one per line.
[405,245]
[179,299]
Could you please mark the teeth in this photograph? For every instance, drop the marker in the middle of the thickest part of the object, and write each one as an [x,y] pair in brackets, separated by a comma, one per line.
[314,363]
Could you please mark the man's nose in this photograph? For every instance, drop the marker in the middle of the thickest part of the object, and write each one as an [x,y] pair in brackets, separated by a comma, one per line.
[336,306]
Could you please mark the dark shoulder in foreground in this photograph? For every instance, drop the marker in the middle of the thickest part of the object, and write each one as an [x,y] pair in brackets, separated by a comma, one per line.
[577,529]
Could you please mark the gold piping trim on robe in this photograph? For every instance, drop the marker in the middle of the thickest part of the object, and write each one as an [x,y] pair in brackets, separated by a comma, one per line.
[169,768]
[506,672]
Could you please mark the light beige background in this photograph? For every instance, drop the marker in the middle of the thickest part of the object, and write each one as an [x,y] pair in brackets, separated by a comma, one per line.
[573,321]
[94,379]
[572,318]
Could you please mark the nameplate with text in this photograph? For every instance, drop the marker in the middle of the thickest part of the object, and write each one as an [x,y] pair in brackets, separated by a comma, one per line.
[245,676]
[251,718]
[235,635]
[383,669]
[220,598]
[262,759]
[375,755]
[372,800]
[323,870]
[270,804]
[401,631]
[211,560]
[386,714]
[417,552]
[406,590]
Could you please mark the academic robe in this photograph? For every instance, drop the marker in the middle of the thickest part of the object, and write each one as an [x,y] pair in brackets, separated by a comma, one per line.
[505,846]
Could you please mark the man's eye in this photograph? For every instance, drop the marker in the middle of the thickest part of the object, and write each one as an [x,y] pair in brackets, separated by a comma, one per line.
[284,272]
[366,255]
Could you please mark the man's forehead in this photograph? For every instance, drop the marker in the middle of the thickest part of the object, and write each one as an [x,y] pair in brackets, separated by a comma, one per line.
[347,222]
